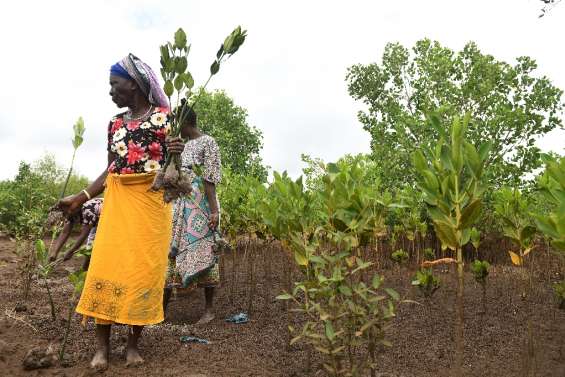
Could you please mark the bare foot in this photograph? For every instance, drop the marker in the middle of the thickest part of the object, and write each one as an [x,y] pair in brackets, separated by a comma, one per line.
[206,318]
[100,360]
[133,358]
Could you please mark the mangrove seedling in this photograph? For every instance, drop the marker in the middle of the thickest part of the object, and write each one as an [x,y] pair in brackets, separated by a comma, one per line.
[450,176]
[480,273]
[77,280]
[44,269]
[426,282]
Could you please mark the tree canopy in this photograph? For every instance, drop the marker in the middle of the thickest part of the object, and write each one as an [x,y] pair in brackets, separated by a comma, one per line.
[510,106]
[240,143]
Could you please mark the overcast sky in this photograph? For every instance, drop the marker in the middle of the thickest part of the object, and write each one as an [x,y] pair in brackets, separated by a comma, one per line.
[289,75]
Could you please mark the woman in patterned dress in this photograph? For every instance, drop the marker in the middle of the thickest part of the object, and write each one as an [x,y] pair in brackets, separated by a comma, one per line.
[196,218]
[126,276]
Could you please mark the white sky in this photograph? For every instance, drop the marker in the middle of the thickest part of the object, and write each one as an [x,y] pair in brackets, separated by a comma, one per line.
[289,74]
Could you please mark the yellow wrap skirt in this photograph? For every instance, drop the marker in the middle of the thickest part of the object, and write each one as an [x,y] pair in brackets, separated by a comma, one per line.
[126,276]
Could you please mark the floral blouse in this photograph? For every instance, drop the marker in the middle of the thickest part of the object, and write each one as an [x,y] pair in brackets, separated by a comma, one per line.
[203,152]
[139,145]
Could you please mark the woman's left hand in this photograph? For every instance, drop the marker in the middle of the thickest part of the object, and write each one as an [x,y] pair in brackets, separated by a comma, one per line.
[175,145]
[213,220]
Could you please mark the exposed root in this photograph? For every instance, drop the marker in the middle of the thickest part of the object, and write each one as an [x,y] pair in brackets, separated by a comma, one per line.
[11,313]
[432,263]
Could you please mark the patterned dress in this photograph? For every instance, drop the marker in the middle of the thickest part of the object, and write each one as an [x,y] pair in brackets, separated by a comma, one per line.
[90,214]
[195,263]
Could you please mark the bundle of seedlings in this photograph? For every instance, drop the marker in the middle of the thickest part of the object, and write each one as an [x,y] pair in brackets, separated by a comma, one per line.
[179,81]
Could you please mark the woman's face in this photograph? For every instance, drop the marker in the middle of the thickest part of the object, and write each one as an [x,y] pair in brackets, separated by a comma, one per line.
[122,90]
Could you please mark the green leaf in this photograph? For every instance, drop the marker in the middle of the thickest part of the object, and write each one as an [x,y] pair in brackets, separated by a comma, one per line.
[345,290]
[377,281]
[484,151]
[180,64]
[430,179]
[329,330]
[392,293]
[165,56]
[300,258]
[419,161]
[179,83]
[284,296]
[214,68]
[188,80]
[168,88]
[446,235]
[180,39]
[220,52]
[40,247]
[472,158]
[470,214]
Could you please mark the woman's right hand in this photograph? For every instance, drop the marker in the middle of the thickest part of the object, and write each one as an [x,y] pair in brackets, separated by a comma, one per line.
[175,145]
[71,204]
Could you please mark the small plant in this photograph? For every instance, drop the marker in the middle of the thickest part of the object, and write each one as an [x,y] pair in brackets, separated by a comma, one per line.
[426,282]
[512,207]
[77,280]
[559,291]
[399,256]
[44,269]
[450,175]
[480,273]
[429,254]
[344,314]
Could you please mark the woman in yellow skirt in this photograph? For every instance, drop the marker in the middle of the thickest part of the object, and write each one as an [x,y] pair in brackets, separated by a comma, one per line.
[125,280]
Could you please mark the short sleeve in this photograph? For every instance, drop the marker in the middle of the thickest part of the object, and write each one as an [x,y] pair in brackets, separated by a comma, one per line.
[212,163]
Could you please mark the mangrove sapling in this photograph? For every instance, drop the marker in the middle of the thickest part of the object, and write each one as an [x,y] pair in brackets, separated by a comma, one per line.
[552,224]
[513,208]
[179,80]
[429,254]
[44,269]
[480,270]
[559,291]
[77,280]
[450,175]
[345,316]
[400,257]
[427,284]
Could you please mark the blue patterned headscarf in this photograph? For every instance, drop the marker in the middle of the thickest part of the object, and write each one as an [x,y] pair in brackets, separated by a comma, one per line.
[118,70]
[132,68]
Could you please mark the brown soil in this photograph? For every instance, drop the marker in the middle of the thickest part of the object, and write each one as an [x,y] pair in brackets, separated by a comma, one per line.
[422,335]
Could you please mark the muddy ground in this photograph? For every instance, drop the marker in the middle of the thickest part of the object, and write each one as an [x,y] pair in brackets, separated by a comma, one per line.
[422,335]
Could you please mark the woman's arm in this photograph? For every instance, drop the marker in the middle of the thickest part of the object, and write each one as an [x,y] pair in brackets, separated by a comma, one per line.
[71,204]
[63,237]
[84,232]
[210,190]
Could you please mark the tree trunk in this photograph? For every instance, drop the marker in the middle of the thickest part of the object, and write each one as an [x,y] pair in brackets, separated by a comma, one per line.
[459,340]
[250,271]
